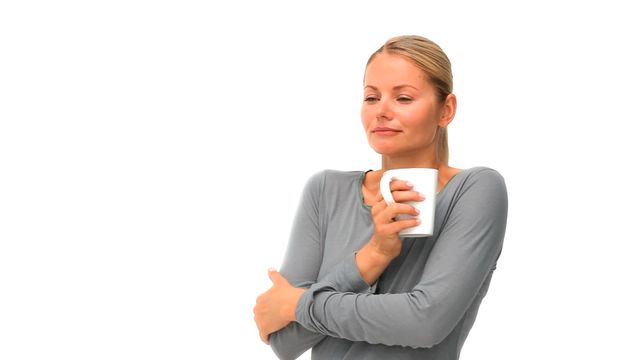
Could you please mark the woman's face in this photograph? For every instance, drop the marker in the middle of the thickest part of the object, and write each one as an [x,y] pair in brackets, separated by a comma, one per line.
[401,111]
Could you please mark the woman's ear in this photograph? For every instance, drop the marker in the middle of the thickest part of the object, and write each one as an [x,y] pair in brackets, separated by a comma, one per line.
[448,110]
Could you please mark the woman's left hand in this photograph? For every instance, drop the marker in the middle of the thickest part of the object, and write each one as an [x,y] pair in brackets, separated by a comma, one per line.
[276,308]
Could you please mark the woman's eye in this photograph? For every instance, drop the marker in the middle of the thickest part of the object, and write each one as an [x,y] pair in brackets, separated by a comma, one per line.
[370,99]
[404,99]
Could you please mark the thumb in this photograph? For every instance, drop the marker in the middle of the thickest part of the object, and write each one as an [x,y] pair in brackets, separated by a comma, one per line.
[274,275]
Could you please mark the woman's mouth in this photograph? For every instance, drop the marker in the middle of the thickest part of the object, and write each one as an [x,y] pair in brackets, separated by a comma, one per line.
[385,131]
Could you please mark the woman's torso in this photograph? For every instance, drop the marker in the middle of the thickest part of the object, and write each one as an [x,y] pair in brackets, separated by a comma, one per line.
[348,226]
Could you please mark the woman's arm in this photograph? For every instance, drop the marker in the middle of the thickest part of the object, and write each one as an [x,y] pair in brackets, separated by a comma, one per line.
[275,308]
[459,263]
[301,266]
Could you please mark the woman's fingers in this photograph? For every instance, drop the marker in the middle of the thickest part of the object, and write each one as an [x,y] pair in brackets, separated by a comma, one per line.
[402,191]
[395,209]
[398,185]
[399,225]
[259,318]
[387,220]
[408,195]
[383,213]
[264,337]
[378,207]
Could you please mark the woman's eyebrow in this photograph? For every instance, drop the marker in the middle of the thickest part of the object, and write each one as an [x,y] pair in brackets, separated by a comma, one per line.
[394,88]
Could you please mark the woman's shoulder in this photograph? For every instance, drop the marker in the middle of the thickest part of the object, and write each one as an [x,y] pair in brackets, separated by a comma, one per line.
[333,176]
[481,178]
[329,180]
[481,171]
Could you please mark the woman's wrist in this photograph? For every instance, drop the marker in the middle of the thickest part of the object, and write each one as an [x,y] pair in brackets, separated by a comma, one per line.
[290,310]
[372,262]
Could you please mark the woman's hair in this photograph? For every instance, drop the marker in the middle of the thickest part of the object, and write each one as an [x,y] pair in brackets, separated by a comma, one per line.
[435,64]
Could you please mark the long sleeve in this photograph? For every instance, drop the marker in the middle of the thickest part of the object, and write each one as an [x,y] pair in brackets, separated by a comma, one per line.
[301,266]
[462,258]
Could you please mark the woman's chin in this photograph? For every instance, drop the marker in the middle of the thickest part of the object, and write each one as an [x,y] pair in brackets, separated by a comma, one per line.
[383,148]
[386,151]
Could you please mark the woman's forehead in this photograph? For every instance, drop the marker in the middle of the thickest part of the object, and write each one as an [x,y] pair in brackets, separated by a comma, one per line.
[390,70]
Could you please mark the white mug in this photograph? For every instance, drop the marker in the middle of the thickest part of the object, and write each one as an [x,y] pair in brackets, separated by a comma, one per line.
[425,181]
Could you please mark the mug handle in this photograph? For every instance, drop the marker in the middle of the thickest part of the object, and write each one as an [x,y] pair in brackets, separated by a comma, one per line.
[385,188]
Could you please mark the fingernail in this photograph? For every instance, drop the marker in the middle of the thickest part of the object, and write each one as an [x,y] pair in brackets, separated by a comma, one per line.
[418,221]
[272,269]
[409,184]
[417,211]
[421,196]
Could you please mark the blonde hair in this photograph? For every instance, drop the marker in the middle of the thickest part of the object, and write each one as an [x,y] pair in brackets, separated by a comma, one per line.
[435,64]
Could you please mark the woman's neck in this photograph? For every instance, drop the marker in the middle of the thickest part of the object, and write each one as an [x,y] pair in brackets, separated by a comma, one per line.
[372,179]
[410,162]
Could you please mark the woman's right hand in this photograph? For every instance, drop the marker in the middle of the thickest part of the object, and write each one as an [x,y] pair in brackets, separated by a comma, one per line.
[385,243]
[385,239]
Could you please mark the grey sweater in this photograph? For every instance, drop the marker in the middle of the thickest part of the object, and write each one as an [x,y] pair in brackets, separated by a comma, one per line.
[425,302]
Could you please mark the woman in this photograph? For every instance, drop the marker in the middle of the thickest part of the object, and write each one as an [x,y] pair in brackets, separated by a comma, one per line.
[350,287]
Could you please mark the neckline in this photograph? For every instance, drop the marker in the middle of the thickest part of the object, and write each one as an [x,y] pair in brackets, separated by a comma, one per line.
[362,175]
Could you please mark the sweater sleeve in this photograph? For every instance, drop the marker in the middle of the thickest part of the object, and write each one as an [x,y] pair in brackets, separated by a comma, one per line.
[462,258]
[301,266]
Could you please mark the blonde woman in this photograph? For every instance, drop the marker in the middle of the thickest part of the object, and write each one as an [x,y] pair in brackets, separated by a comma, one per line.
[350,287]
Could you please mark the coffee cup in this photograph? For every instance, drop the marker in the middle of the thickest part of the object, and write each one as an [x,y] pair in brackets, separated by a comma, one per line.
[425,181]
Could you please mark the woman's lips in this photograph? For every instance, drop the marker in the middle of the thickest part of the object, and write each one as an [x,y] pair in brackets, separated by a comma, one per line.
[383,131]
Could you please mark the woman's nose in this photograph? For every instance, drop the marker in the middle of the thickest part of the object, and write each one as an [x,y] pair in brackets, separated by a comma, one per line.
[384,110]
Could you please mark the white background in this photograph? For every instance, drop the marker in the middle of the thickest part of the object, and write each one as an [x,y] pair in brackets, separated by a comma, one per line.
[152,154]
